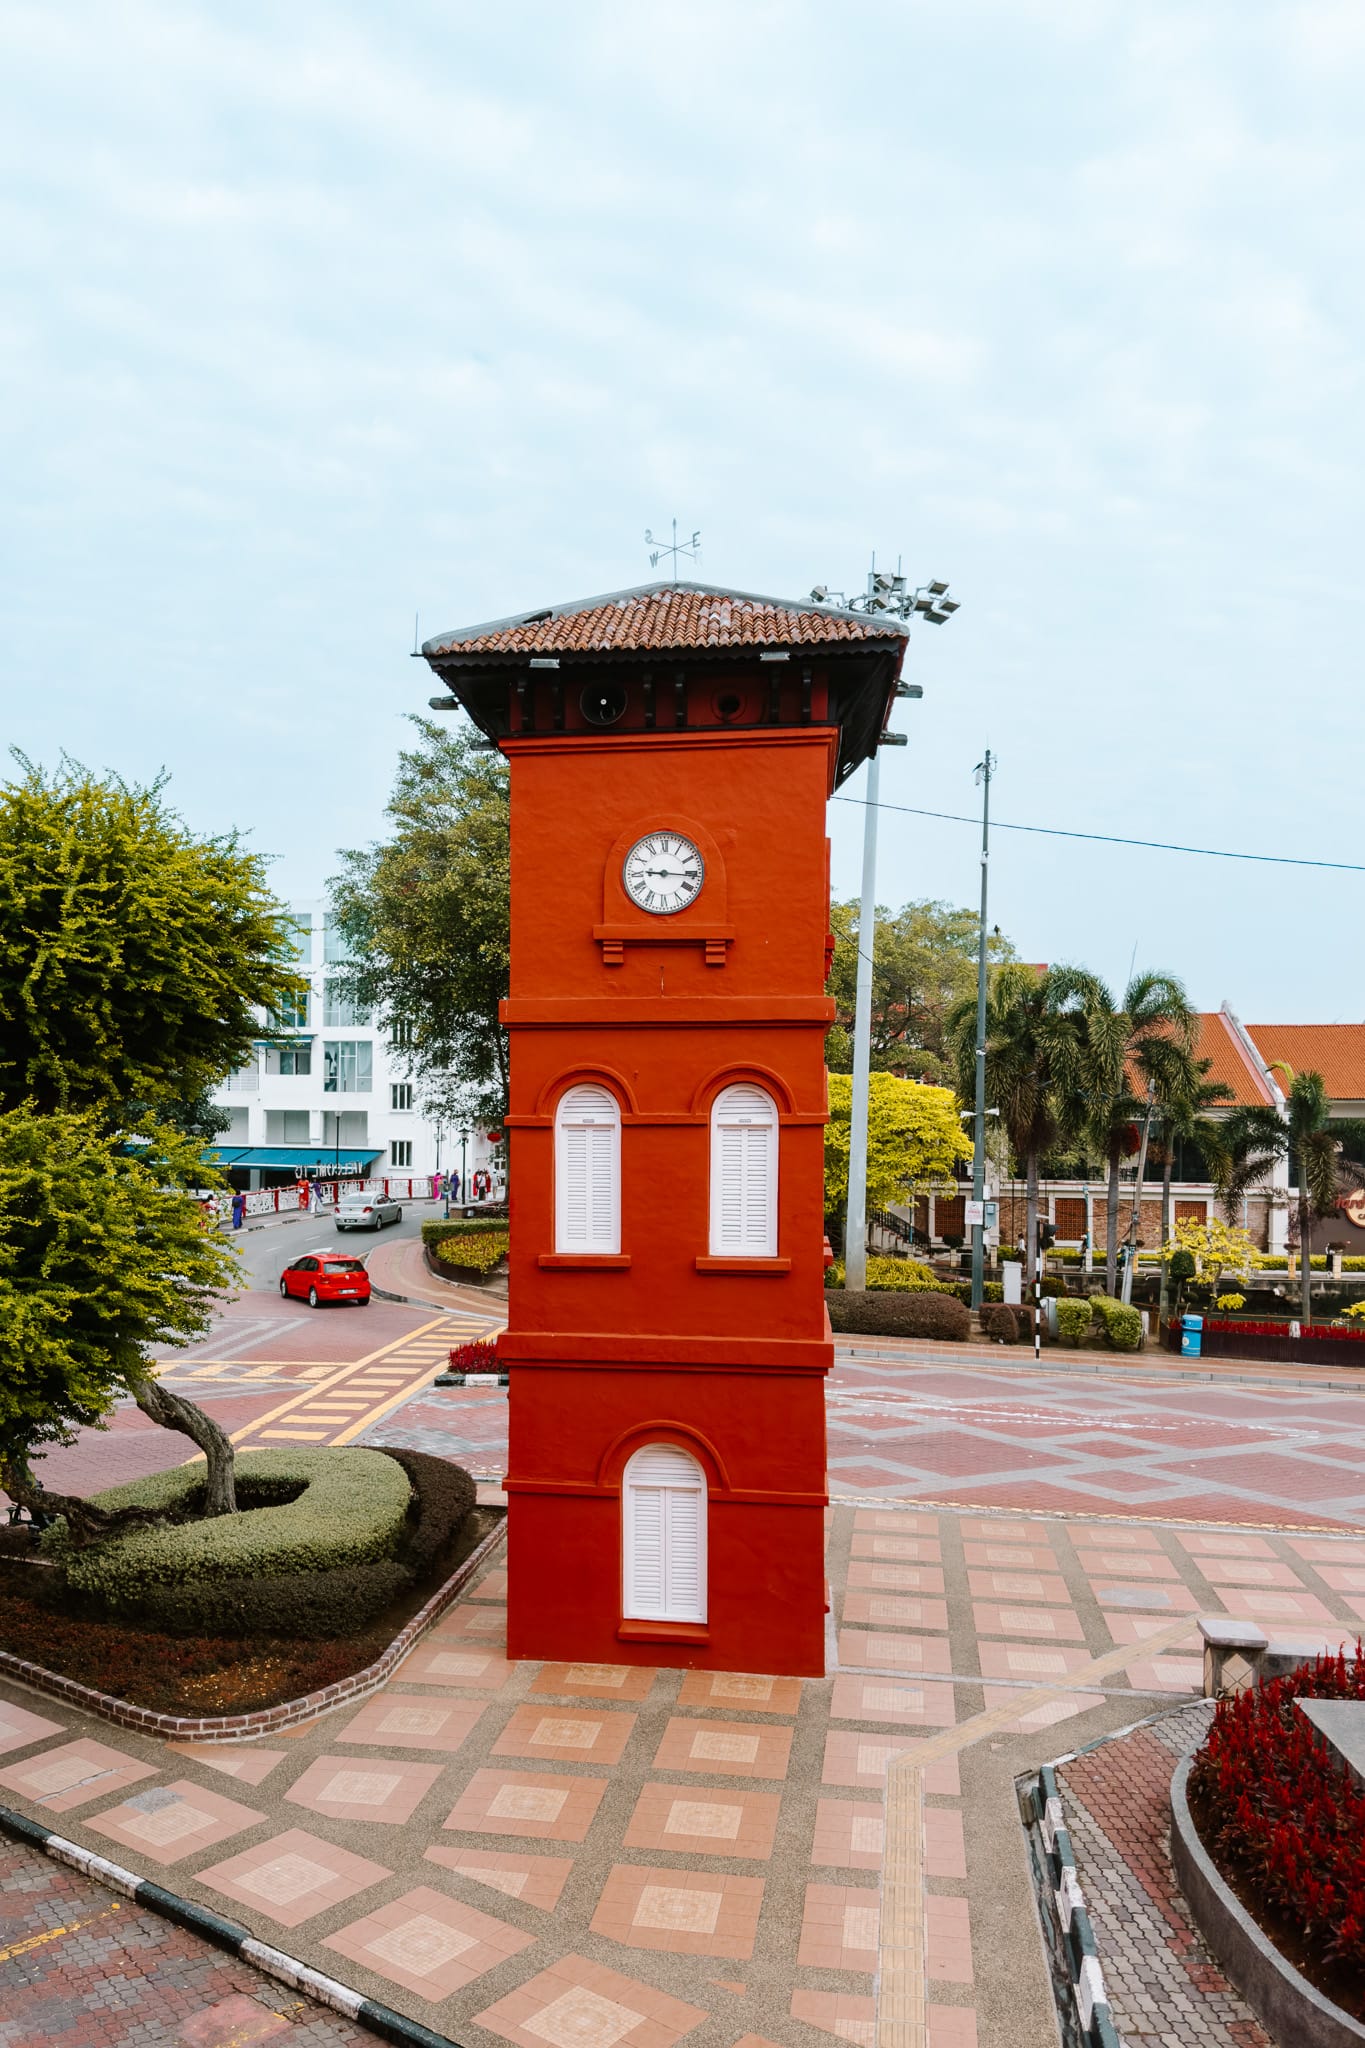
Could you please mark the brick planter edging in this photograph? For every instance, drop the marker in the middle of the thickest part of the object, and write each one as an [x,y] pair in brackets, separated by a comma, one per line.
[381,2019]
[1075,1935]
[240,1727]
[1290,2008]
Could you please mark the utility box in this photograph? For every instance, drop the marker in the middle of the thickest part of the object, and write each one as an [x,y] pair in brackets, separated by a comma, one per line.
[1012,1279]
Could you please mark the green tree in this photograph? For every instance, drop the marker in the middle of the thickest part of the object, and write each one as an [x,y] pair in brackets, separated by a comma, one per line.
[1048,1035]
[1145,1047]
[915,1140]
[133,954]
[1319,1148]
[425,916]
[1183,1106]
[923,966]
[103,1254]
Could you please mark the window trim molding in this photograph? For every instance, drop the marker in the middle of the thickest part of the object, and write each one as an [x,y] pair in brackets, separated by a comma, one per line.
[765,1260]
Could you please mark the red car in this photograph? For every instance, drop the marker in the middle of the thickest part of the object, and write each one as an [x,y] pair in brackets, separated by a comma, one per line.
[322,1276]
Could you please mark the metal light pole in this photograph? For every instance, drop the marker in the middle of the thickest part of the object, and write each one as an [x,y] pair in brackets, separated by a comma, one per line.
[983,776]
[855,1223]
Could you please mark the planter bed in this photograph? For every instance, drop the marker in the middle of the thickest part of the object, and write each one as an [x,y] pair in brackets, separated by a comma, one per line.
[1322,1343]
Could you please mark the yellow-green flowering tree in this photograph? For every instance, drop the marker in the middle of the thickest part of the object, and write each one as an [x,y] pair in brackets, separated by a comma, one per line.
[915,1140]
[1216,1247]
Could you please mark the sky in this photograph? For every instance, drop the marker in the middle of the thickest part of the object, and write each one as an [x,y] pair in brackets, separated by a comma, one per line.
[318,321]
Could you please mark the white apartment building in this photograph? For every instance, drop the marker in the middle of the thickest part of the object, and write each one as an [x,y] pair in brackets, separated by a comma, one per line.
[325,1096]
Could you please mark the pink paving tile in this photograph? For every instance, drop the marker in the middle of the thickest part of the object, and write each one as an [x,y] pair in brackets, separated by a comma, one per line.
[595,1681]
[1011,1557]
[169,1822]
[1115,1535]
[1168,1674]
[429,1943]
[861,1761]
[246,1761]
[1343,1578]
[486,1625]
[535,1880]
[901,1700]
[897,1549]
[742,1690]
[682,1912]
[1164,1599]
[895,1578]
[1001,1529]
[492,1586]
[947,1940]
[57,1779]
[958,1456]
[865,1652]
[1135,1628]
[1049,1624]
[1134,1564]
[1317,1549]
[1356,1605]
[839,1928]
[951,2026]
[578,2004]
[292,1876]
[849,1834]
[1223,1543]
[840,2013]
[18,1727]
[395,1720]
[894,1610]
[1248,1571]
[1045,1586]
[527,1803]
[456,1665]
[1064,1708]
[235,2022]
[738,1749]
[693,1821]
[1292,1480]
[364,1788]
[1040,1663]
[1276,1606]
[896,1521]
[945,1849]
[576,1735]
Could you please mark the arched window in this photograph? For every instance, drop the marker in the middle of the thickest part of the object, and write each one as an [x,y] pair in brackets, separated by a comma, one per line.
[744,1174]
[663,1511]
[588,1171]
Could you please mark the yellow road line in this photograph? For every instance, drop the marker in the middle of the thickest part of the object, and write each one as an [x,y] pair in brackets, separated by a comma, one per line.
[321,1386]
[22,1948]
[393,1400]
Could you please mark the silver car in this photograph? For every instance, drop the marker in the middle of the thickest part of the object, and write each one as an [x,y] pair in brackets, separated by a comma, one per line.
[358,1211]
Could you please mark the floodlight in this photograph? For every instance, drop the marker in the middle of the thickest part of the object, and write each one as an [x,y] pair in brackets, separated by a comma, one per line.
[820,592]
[936,589]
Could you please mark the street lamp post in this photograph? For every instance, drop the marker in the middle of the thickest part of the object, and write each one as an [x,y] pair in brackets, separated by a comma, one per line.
[983,776]
[464,1170]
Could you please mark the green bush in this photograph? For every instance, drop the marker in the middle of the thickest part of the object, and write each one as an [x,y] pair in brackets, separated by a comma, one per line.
[1122,1325]
[434,1234]
[442,1496]
[325,1510]
[992,1290]
[899,1276]
[1073,1320]
[1000,1321]
[1280,1263]
[478,1254]
[928,1313]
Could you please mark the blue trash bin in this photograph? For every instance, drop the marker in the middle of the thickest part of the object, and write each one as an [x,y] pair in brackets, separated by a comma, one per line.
[1191,1336]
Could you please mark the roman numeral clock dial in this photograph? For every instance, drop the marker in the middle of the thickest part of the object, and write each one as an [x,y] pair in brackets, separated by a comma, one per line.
[663,873]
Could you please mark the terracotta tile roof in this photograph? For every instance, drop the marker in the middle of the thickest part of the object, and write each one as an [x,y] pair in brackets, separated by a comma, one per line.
[1231,1063]
[1336,1051]
[666,615]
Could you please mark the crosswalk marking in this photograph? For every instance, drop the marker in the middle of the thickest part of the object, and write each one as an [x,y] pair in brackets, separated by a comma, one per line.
[340,1402]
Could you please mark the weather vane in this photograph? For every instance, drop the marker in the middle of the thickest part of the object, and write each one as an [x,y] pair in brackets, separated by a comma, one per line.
[689,550]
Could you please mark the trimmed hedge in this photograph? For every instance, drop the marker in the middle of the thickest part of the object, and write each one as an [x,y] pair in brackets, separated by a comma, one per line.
[924,1314]
[434,1234]
[1000,1320]
[442,1496]
[1073,1320]
[1122,1325]
[476,1254]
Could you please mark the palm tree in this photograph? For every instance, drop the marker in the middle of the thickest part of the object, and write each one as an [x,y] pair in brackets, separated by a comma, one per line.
[1183,1111]
[1311,1138]
[1154,1030]
[1045,1033]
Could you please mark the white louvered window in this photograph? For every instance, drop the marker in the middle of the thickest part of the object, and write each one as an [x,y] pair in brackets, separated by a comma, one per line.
[588,1172]
[663,1509]
[744,1174]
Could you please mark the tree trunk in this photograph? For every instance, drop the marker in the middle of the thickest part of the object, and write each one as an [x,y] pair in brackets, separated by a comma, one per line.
[1031,1214]
[1111,1211]
[172,1411]
[86,1522]
[1305,1249]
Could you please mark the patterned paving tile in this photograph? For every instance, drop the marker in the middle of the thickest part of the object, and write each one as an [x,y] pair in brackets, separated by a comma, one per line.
[371,1789]
[578,2004]
[456,1665]
[893,1699]
[849,1834]
[595,1681]
[293,1876]
[948,1939]
[58,1779]
[1133,1593]
[1277,1606]
[1132,1564]
[169,1822]
[247,1762]
[724,1749]
[695,1822]
[395,1720]
[1049,1624]
[864,1651]
[744,1689]
[1222,1543]
[1248,1571]
[684,1912]
[839,1928]
[527,1803]
[854,1759]
[892,1610]
[18,1727]
[837,2012]
[1019,1586]
[1011,1557]
[898,1578]
[1039,1662]
[569,1735]
[428,1943]
[535,1880]
[898,1549]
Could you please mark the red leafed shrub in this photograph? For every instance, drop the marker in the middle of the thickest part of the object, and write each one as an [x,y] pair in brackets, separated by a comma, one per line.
[1243,1326]
[1281,1815]
[479,1357]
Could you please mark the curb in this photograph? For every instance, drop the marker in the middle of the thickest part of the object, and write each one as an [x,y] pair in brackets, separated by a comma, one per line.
[470,1379]
[241,1727]
[225,1934]
[1076,1945]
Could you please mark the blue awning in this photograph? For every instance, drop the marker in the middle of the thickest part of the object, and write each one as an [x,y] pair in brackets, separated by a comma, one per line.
[346,1160]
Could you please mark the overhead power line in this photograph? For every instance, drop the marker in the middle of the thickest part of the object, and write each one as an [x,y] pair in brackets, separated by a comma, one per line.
[1281,860]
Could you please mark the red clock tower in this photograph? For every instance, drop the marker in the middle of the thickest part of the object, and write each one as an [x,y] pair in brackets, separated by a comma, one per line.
[672,749]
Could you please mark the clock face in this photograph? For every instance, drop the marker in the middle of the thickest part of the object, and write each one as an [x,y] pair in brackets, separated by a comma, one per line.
[663,873]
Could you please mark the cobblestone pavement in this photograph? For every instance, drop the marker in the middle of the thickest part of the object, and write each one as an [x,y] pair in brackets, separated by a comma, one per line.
[1164,1987]
[81,1968]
